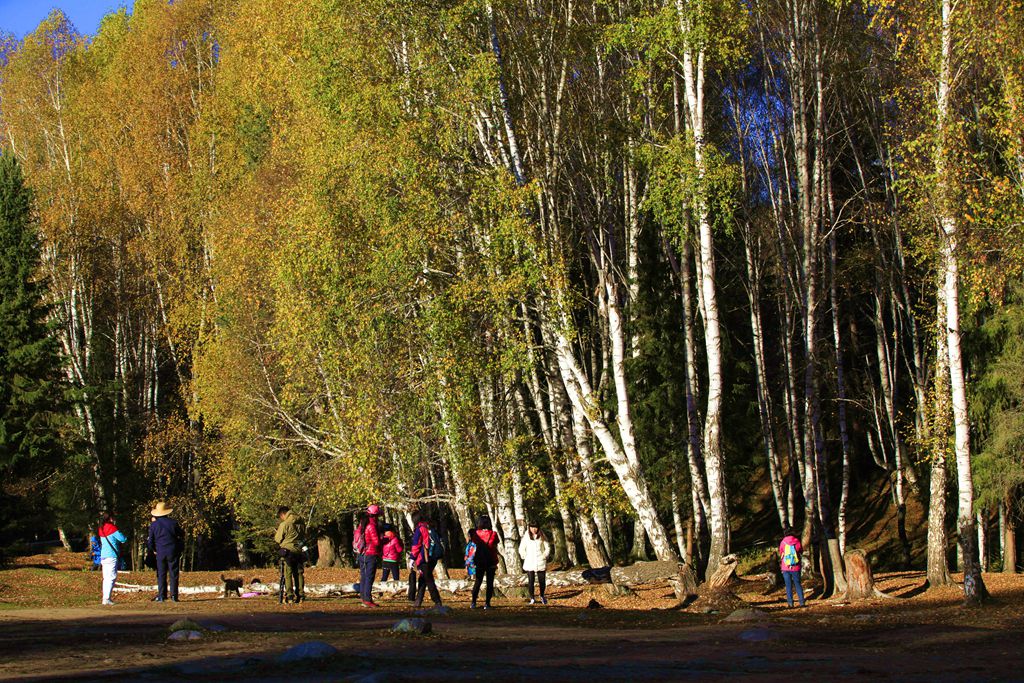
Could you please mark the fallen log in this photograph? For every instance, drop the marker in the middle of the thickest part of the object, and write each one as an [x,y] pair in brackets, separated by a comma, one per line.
[637,574]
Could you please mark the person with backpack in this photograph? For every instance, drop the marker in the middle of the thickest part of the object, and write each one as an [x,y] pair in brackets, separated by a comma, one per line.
[110,540]
[789,559]
[167,541]
[534,550]
[427,550]
[391,554]
[469,559]
[95,552]
[366,544]
[485,559]
[411,566]
[289,535]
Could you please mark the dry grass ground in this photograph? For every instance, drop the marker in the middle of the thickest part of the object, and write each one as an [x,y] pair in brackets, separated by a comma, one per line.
[52,628]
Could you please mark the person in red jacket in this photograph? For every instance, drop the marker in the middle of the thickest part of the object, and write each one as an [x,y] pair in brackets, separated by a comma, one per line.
[367,545]
[789,559]
[424,564]
[391,554]
[486,541]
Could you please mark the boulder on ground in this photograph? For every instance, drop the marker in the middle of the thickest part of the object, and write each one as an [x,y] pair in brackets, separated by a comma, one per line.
[312,649]
[185,635]
[747,614]
[418,626]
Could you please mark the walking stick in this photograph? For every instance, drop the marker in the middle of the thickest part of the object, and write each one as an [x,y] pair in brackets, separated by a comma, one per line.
[280,585]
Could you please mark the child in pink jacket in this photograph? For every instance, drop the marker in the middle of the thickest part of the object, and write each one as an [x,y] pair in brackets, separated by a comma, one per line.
[392,554]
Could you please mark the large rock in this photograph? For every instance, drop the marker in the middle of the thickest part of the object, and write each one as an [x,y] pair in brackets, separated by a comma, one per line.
[312,649]
[185,635]
[747,614]
[418,626]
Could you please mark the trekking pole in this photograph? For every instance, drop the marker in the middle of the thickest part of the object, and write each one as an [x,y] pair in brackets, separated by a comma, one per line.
[280,585]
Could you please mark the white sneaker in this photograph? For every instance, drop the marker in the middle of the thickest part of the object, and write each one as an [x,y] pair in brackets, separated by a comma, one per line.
[108,602]
[532,601]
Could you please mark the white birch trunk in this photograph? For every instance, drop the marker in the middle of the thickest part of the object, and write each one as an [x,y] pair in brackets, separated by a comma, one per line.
[630,475]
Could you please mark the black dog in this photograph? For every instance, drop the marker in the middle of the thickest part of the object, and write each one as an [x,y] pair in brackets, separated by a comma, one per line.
[231,586]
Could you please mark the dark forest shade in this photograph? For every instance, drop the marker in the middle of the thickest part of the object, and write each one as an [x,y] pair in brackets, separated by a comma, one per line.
[30,386]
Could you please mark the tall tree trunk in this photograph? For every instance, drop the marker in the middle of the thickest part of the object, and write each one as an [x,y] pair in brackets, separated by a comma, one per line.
[693,86]
[764,404]
[1010,538]
[844,437]
[974,587]
[938,431]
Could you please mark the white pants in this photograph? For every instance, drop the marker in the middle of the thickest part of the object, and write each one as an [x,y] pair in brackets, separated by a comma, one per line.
[109,565]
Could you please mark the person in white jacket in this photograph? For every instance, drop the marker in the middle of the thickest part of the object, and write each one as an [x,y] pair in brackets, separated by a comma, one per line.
[534,549]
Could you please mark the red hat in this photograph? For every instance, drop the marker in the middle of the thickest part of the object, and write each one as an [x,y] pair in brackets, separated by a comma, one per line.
[373,510]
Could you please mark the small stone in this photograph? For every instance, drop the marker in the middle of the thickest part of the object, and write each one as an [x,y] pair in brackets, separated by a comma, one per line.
[185,625]
[418,626]
[594,604]
[312,649]
[435,611]
[758,635]
[378,677]
[213,626]
[185,635]
[747,614]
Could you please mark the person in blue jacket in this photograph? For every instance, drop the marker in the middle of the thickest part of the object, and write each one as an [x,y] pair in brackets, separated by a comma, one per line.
[111,540]
[94,551]
[166,540]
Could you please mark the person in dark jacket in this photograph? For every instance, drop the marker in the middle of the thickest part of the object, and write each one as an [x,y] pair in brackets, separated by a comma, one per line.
[166,540]
[289,537]
[486,541]
[420,553]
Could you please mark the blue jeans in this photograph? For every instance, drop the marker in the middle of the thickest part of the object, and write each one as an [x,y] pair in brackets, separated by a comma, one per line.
[367,573]
[792,580]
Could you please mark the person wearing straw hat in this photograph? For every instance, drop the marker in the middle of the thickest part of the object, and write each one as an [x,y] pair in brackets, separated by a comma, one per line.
[166,540]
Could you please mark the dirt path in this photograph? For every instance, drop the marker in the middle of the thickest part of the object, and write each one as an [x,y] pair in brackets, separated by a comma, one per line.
[923,637]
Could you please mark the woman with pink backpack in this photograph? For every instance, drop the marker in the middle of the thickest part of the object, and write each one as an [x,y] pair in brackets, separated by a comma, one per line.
[789,560]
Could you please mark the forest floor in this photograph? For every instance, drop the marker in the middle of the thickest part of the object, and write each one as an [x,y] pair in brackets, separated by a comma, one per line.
[52,628]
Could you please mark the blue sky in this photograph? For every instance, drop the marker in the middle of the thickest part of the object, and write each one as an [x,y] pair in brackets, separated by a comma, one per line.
[22,16]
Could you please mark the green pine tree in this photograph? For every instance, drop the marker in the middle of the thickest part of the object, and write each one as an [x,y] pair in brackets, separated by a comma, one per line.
[31,391]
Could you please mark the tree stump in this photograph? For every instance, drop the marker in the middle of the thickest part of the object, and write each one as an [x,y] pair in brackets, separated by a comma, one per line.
[860,582]
[724,575]
[773,577]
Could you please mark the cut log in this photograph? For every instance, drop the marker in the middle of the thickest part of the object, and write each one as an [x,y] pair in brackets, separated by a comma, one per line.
[685,585]
[725,574]
[860,582]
